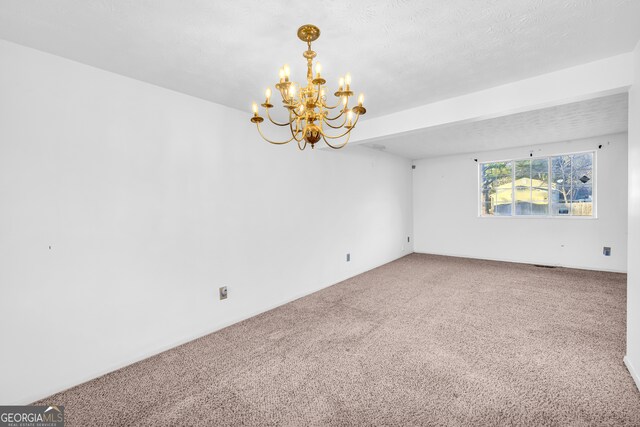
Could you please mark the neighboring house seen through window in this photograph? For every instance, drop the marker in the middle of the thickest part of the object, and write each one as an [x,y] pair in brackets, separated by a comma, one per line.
[548,186]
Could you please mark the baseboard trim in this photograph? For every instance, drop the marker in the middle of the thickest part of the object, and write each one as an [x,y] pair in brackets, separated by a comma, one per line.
[634,374]
[516,261]
[191,337]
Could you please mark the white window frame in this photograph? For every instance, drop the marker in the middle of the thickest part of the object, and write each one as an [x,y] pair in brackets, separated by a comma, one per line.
[594,186]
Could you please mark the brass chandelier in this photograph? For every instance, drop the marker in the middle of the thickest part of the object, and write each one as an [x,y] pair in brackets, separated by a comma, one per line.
[307,106]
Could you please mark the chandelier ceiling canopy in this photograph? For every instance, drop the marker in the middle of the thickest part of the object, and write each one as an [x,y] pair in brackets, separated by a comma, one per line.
[306,106]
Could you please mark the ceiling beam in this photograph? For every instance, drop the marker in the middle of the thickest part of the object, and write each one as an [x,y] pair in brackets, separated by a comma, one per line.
[591,80]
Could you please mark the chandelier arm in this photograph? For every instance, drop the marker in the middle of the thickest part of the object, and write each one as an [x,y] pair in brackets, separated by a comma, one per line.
[324,119]
[318,94]
[296,139]
[282,94]
[295,112]
[274,122]
[331,108]
[293,132]
[268,140]
[337,147]
[302,147]
[345,133]
[344,110]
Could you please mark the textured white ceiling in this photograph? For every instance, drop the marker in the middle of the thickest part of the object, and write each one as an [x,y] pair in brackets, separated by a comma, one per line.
[401,53]
[594,117]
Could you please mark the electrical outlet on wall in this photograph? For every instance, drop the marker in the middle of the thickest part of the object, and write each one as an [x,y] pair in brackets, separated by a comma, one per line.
[348,257]
[606,251]
[223,292]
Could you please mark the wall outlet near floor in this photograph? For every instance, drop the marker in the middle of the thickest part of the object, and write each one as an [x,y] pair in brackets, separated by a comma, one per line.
[348,257]
[606,251]
[223,292]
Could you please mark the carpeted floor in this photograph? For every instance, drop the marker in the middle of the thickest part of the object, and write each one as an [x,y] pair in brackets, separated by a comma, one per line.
[424,340]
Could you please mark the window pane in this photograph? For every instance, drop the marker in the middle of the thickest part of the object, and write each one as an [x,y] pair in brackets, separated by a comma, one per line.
[496,188]
[532,193]
[540,187]
[540,170]
[540,209]
[582,201]
[523,208]
[523,169]
[572,182]
[582,161]
[560,209]
[539,197]
[582,176]
[582,208]
[523,197]
[485,203]
[562,193]
[523,187]
[582,193]
[561,172]
[561,185]
[540,200]
[502,201]
[496,169]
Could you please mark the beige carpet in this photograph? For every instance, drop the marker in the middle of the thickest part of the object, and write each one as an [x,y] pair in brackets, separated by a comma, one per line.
[425,340]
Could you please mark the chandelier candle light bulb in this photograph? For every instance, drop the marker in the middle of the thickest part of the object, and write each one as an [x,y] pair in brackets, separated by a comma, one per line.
[256,118]
[309,118]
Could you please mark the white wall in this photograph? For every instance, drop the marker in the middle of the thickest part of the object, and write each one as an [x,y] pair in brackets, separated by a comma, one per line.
[124,206]
[446,212]
[632,359]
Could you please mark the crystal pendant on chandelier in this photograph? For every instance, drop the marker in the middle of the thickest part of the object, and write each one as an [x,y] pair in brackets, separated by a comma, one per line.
[307,106]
